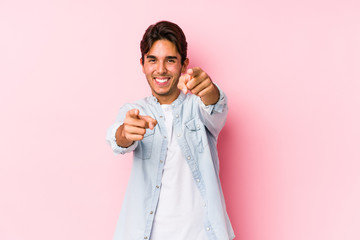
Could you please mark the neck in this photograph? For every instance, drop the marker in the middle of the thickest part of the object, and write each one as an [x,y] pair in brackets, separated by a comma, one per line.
[167,99]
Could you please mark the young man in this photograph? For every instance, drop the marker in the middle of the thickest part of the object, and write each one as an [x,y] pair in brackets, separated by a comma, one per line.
[174,190]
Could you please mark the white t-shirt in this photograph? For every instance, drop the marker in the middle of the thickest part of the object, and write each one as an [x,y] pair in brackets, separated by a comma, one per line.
[180,211]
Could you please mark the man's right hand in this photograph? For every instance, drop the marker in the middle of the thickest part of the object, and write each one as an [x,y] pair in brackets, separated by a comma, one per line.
[133,128]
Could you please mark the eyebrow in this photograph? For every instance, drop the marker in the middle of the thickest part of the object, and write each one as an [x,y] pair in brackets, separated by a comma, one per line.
[168,57]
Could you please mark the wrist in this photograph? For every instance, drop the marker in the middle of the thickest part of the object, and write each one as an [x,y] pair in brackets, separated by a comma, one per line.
[212,97]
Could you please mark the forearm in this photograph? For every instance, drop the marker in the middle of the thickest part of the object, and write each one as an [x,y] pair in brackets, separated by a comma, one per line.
[214,115]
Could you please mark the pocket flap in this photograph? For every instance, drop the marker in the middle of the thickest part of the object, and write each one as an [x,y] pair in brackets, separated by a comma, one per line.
[149,132]
[193,124]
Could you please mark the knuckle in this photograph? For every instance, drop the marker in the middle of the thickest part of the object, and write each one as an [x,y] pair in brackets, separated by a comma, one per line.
[207,81]
[127,136]
[127,130]
[126,121]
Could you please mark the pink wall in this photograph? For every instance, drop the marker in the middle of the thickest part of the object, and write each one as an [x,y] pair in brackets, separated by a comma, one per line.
[290,154]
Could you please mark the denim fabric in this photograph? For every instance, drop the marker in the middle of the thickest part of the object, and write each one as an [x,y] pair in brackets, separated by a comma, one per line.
[197,128]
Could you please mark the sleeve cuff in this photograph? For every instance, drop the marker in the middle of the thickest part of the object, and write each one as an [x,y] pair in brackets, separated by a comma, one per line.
[111,139]
[218,106]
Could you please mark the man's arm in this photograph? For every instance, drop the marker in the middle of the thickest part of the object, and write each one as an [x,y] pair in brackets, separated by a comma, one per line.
[213,104]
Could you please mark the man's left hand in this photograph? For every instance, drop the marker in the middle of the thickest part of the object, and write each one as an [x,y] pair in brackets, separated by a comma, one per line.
[199,83]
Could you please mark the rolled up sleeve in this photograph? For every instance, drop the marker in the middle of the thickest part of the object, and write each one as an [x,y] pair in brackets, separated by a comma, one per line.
[111,133]
[111,139]
[214,116]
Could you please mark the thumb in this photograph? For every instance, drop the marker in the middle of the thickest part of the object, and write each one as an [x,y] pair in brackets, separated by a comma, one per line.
[150,122]
[133,113]
[190,71]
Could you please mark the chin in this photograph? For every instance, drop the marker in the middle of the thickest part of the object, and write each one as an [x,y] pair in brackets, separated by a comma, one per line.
[162,93]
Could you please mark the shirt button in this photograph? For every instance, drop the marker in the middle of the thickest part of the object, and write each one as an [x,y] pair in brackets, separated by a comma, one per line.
[161,161]
[161,116]
[145,237]
[151,212]
[179,135]
[165,137]
[157,186]
[173,104]
[177,115]
[198,180]
[208,229]
[189,157]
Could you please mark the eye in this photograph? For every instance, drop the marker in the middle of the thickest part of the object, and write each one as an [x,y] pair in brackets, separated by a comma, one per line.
[151,60]
[171,60]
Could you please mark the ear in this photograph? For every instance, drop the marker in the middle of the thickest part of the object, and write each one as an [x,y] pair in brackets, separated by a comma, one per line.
[142,65]
[185,65]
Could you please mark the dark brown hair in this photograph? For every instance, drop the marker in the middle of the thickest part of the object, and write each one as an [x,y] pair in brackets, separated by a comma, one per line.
[164,30]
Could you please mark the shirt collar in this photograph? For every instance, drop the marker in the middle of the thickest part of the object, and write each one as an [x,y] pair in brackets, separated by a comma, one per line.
[175,103]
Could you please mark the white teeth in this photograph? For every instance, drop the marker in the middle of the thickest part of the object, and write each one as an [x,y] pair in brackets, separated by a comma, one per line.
[161,80]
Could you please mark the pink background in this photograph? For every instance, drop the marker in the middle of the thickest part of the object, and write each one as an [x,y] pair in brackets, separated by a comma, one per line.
[290,151]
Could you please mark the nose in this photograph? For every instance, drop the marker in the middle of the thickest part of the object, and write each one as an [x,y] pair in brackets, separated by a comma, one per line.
[161,68]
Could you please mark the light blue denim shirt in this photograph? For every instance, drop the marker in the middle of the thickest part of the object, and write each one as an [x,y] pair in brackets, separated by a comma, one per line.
[197,128]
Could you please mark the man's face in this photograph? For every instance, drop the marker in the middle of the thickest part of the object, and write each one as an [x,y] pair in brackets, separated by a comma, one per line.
[162,68]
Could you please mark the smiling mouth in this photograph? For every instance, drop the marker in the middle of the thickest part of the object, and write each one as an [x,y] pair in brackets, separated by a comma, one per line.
[162,80]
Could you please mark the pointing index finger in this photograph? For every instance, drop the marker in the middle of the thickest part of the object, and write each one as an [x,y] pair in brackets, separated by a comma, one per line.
[150,122]
[182,83]
[133,113]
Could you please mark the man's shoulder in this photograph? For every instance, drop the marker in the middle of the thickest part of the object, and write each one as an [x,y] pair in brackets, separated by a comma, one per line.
[144,105]
[143,102]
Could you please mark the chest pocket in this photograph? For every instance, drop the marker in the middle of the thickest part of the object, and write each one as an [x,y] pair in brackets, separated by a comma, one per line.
[144,148]
[194,127]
